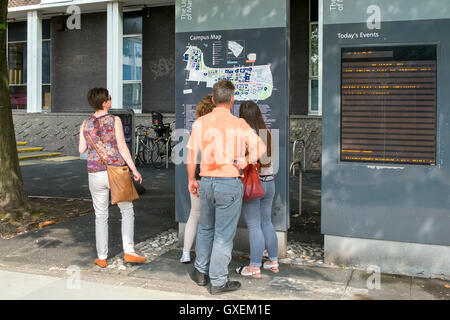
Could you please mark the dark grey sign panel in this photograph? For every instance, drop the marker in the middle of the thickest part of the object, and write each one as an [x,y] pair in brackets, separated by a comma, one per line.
[127,118]
[210,15]
[372,199]
[202,58]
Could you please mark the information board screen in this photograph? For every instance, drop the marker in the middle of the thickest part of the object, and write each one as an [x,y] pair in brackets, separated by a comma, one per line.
[388,104]
[127,118]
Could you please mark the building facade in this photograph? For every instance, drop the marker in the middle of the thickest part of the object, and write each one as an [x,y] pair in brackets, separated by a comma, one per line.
[57,50]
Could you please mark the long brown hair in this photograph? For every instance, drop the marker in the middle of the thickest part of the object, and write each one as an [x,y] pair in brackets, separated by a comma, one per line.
[249,111]
[205,106]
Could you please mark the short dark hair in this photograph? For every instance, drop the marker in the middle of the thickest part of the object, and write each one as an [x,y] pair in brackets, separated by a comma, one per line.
[96,97]
[223,91]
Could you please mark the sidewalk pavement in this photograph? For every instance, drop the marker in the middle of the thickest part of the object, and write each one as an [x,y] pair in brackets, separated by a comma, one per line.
[166,278]
[41,287]
[36,264]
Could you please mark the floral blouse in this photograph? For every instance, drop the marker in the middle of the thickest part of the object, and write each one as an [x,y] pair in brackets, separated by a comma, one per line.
[102,132]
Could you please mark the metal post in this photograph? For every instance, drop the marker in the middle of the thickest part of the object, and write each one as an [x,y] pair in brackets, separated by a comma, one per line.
[302,166]
[300,192]
[292,169]
[167,152]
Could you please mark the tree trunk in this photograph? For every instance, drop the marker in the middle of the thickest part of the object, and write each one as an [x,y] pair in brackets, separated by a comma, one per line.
[12,195]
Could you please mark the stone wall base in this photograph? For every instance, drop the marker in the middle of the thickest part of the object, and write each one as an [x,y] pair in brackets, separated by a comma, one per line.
[421,260]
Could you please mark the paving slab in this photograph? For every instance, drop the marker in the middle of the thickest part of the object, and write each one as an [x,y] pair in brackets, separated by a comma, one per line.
[72,242]
[430,289]
[292,282]
[17,285]
[392,287]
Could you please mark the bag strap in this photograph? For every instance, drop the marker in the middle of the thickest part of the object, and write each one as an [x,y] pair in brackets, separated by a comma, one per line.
[95,147]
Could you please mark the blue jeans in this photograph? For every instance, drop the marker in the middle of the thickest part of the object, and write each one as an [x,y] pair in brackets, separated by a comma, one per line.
[220,208]
[257,214]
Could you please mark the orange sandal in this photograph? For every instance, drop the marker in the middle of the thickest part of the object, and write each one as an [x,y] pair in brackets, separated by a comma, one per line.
[134,259]
[100,262]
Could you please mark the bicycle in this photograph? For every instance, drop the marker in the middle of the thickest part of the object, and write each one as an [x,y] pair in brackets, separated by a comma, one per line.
[144,145]
[162,143]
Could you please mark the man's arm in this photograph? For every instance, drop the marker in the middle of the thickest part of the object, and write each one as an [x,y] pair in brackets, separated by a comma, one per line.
[191,166]
[193,147]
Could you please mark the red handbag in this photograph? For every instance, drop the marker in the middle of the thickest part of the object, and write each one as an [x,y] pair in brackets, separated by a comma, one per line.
[252,185]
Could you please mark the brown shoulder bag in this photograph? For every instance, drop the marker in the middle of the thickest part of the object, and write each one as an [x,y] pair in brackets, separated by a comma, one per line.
[120,183]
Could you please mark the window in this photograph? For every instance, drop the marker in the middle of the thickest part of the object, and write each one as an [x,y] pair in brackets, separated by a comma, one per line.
[46,62]
[132,61]
[313,60]
[17,64]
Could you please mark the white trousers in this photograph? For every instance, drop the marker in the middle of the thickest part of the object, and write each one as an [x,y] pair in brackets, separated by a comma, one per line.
[99,187]
[190,232]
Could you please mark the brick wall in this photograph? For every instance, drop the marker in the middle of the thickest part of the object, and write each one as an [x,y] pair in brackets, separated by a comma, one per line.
[78,62]
[158,72]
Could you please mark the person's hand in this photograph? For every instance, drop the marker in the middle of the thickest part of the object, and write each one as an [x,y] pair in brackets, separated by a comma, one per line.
[239,164]
[193,187]
[137,176]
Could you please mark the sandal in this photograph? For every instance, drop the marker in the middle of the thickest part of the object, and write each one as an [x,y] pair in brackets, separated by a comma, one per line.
[243,271]
[269,265]
[100,262]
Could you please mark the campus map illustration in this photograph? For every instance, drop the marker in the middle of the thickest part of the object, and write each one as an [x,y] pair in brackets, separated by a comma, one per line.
[251,82]
[235,47]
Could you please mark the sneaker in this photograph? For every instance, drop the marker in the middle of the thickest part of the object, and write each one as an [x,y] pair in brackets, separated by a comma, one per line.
[227,287]
[199,278]
[185,257]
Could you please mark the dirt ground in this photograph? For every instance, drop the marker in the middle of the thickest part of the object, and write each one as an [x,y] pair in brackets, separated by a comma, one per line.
[305,227]
[44,209]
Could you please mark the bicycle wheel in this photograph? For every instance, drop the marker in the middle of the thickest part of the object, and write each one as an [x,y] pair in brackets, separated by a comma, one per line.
[148,146]
[140,160]
[159,153]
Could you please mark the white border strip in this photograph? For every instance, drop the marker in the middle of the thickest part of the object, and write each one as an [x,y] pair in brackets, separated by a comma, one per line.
[319,111]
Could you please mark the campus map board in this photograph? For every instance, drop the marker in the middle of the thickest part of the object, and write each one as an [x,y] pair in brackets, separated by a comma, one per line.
[209,58]
[254,59]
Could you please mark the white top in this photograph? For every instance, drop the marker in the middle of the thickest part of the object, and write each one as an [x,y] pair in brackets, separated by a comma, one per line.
[267,171]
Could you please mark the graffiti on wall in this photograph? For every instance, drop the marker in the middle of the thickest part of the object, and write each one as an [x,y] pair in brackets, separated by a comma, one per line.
[162,67]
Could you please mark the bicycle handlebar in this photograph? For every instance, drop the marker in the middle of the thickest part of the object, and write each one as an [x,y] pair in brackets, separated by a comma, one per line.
[143,127]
